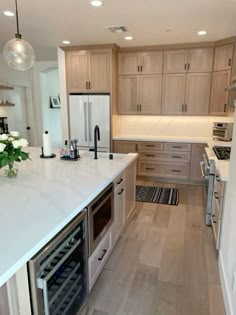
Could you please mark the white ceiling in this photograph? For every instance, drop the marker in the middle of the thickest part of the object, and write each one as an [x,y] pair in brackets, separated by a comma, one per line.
[45,23]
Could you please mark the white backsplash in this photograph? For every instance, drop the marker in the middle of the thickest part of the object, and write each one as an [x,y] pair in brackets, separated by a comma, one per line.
[188,126]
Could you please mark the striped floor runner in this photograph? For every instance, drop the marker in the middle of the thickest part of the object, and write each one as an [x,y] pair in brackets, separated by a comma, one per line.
[168,196]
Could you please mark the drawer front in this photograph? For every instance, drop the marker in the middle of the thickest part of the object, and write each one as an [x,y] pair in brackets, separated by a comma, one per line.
[98,259]
[150,146]
[177,146]
[119,180]
[183,157]
[164,170]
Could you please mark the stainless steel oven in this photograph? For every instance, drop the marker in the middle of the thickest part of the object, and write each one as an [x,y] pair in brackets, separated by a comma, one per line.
[208,174]
[101,216]
[58,273]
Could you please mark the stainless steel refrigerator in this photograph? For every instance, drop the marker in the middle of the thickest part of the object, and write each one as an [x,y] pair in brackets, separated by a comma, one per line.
[85,112]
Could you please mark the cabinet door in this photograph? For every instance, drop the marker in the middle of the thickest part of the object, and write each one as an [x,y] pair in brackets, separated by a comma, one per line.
[198,89]
[125,147]
[129,63]
[150,94]
[77,71]
[99,71]
[196,156]
[130,192]
[223,57]
[173,93]
[128,95]
[200,60]
[151,62]
[219,96]
[175,61]
[119,208]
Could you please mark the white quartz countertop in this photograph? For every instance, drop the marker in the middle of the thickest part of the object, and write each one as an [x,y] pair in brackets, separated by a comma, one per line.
[222,167]
[47,195]
[162,138]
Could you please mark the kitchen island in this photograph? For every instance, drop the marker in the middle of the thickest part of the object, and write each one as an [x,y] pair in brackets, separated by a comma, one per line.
[45,197]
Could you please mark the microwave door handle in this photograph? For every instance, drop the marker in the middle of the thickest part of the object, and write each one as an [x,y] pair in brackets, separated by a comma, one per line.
[205,160]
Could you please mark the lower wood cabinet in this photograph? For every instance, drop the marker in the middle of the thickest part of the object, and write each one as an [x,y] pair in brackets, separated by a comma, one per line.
[130,192]
[124,147]
[196,156]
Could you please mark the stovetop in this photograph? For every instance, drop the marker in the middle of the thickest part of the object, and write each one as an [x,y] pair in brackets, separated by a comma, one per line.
[222,153]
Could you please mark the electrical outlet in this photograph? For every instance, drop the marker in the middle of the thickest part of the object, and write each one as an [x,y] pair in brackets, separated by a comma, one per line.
[234,283]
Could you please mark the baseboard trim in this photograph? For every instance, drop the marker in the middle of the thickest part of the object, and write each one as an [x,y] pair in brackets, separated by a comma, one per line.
[225,286]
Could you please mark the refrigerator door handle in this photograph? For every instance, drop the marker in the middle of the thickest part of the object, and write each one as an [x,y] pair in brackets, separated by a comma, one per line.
[89,120]
[85,122]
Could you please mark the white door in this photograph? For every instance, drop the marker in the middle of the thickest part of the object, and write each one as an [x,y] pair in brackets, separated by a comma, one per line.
[78,113]
[99,114]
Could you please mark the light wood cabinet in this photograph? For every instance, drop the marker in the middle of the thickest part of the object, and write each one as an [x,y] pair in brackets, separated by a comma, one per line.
[88,71]
[223,57]
[200,60]
[196,156]
[175,61]
[173,94]
[219,94]
[125,147]
[150,94]
[141,63]
[130,192]
[197,96]
[129,94]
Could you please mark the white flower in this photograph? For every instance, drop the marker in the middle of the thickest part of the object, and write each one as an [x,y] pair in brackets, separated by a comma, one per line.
[3,137]
[16,144]
[23,142]
[11,139]
[14,134]
[2,147]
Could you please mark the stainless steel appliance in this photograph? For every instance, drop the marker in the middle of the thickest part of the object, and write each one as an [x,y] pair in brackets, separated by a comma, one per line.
[101,216]
[222,153]
[3,125]
[85,112]
[58,273]
[208,173]
[222,131]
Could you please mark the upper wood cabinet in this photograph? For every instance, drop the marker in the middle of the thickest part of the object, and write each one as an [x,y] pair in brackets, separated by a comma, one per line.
[88,71]
[219,95]
[200,60]
[141,63]
[197,96]
[140,94]
[175,61]
[173,93]
[223,57]
[193,60]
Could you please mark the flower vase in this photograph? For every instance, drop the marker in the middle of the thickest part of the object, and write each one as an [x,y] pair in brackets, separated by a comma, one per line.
[11,171]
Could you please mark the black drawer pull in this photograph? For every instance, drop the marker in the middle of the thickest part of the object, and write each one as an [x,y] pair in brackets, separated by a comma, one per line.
[177,147]
[150,169]
[176,171]
[216,195]
[151,155]
[229,62]
[176,156]
[120,181]
[121,192]
[150,145]
[103,254]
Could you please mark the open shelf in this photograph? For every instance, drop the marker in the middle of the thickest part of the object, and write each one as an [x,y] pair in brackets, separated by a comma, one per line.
[7,104]
[5,87]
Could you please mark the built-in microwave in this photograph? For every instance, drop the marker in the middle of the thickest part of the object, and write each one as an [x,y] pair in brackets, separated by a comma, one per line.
[222,131]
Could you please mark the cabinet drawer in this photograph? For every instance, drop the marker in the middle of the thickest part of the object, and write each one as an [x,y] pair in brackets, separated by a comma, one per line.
[119,181]
[98,259]
[150,146]
[164,170]
[183,157]
[177,146]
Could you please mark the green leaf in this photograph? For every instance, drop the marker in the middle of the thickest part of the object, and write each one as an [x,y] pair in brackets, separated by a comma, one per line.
[24,155]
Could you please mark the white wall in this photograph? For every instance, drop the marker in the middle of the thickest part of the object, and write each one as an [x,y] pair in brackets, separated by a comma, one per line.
[49,84]
[227,255]
[125,125]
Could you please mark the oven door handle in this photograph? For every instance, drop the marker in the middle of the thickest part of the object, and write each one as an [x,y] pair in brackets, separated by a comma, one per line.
[202,171]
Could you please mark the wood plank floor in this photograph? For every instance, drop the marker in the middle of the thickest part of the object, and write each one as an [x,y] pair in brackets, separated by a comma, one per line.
[164,263]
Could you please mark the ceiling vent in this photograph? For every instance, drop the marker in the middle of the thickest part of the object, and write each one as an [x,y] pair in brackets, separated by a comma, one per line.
[117,29]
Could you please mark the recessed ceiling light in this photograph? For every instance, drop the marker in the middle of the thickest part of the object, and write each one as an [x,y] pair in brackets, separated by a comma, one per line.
[8,13]
[128,37]
[66,42]
[202,32]
[96,3]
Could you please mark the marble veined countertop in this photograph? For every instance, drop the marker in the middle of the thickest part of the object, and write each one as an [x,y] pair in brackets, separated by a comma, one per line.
[45,197]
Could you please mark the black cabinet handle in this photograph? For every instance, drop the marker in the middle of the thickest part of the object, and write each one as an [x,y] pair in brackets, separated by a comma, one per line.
[177,147]
[151,155]
[140,107]
[103,254]
[185,66]
[188,66]
[121,192]
[120,181]
[89,85]
[150,169]
[141,68]
[28,128]
[182,108]
[230,62]
[176,171]
[176,156]
[225,108]
[150,145]
[138,68]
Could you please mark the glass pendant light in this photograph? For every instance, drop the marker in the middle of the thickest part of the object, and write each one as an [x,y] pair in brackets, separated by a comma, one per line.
[18,53]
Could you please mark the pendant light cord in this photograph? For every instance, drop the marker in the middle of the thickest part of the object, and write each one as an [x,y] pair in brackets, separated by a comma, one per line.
[18,35]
